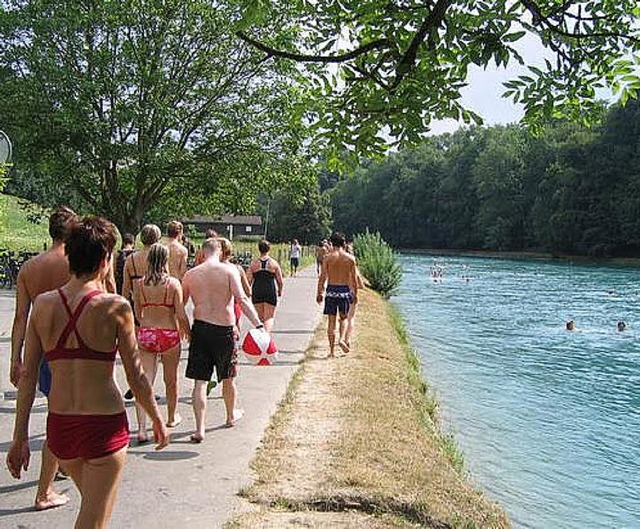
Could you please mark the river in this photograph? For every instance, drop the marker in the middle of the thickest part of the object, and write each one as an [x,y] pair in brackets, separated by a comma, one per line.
[548,419]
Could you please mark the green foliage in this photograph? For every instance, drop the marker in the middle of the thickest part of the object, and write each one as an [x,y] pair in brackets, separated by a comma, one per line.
[378,263]
[568,190]
[143,109]
[396,66]
[22,227]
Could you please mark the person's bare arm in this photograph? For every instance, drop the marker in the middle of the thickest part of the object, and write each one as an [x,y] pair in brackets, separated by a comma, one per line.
[19,453]
[278,276]
[353,281]
[322,279]
[244,281]
[186,289]
[181,315]
[250,275]
[110,279]
[137,299]
[18,331]
[182,269]
[126,277]
[238,293]
[137,380]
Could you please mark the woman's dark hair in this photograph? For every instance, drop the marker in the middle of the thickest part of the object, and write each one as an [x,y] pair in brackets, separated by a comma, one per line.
[89,241]
[264,246]
[127,238]
[150,234]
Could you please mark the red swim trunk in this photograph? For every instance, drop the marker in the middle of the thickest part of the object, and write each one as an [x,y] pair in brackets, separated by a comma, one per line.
[157,340]
[86,436]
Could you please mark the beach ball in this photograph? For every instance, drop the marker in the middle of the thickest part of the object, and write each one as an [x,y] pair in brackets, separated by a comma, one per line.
[259,348]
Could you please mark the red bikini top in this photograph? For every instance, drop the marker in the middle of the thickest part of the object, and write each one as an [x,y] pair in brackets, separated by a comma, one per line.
[164,299]
[61,352]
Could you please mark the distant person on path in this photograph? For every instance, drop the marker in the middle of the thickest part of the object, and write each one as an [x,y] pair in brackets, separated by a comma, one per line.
[78,329]
[160,311]
[127,249]
[351,315]
[199,259]
[135,267]
[296,251]
[339,274]
[322,249]
[265,278]
[47,271]
[177,252]
[213,286]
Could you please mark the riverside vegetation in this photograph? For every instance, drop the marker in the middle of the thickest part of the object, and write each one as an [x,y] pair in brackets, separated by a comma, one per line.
[356,441]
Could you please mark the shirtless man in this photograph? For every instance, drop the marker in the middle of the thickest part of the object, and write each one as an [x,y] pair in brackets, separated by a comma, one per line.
[339,272]
[47,271]
[177,252]
[213,285]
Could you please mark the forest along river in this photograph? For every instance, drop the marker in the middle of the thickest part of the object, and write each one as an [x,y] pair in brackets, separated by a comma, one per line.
[548,419]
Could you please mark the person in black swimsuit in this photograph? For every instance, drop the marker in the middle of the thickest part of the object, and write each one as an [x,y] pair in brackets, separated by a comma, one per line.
[265,278]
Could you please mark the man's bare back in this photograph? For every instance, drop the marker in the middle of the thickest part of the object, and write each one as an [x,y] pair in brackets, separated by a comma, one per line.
[177,259]
[338,268]
[213,286]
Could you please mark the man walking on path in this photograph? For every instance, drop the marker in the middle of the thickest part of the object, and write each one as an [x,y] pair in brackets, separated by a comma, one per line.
[46,271]
[294,259]
[339,273]
[213,285]
[177,252]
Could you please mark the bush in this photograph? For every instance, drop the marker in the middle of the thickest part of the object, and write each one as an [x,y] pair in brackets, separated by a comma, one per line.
[378,263]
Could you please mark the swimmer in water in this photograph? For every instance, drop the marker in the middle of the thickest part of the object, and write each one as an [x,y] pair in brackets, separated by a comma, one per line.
[622,326]
[570,326]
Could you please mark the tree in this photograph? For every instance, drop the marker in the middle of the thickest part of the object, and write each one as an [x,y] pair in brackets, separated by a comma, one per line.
[397,65]
[129,106]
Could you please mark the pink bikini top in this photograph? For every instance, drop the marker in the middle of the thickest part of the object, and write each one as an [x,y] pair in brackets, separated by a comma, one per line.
[61,352]
[164,299]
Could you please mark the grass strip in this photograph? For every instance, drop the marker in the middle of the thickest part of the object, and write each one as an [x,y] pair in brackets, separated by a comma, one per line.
[359,434]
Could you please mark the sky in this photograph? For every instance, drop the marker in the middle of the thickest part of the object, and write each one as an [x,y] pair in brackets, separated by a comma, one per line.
[482,95]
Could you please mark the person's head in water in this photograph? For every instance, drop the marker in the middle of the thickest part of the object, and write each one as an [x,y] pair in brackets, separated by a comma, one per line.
[570,325]
[622,326]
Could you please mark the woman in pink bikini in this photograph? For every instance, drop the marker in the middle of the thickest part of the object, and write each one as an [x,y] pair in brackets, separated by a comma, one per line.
[157,300]
[78,329]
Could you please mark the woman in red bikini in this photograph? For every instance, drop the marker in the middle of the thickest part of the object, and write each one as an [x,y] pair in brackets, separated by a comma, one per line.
[78,329]
[157,301]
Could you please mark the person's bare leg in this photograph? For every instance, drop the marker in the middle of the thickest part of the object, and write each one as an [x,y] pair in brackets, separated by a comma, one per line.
[342,330]
[150,365]
[46,497]
[99,488]
[199,398]
[268,316]
[170,361]
[350,324]
[331,334]
[229,397]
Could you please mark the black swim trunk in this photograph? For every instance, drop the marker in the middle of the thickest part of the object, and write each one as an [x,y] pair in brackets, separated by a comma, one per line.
[211,346]
[338,299]
[295,261]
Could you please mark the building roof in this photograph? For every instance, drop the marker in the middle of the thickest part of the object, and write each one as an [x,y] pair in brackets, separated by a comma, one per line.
[251,220]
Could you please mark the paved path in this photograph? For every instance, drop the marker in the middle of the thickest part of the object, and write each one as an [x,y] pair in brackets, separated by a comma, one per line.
[184,485]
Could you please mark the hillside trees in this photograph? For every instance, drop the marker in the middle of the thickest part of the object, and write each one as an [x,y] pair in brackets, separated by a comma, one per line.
[570,190]
[120,107]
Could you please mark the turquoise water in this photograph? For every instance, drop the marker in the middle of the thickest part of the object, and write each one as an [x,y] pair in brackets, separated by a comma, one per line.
[548,420]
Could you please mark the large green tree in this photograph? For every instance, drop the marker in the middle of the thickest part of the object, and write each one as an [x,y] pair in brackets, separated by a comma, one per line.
[125,107]
[395,65]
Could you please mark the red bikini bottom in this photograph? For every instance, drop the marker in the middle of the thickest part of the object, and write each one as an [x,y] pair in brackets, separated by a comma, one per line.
[157,340]
[86,436]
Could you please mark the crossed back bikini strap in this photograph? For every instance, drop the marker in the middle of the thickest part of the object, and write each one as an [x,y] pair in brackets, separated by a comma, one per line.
[73,317]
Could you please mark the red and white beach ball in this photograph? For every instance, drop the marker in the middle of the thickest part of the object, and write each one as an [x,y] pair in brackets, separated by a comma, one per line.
[259,348]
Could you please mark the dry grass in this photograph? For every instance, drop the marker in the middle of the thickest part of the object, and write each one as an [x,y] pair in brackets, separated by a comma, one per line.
[354,443]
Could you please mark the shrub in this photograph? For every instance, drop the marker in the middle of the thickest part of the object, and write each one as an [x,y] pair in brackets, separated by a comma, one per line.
[378,263]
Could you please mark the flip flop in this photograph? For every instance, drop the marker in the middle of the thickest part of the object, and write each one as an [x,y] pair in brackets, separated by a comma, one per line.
[195,438]
[344,346]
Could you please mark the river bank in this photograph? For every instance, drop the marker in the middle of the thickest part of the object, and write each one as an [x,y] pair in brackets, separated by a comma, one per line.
[527,256]
[356,443]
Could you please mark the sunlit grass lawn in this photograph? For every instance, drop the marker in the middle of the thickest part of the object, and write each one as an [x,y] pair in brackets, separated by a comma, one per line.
[16,232]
